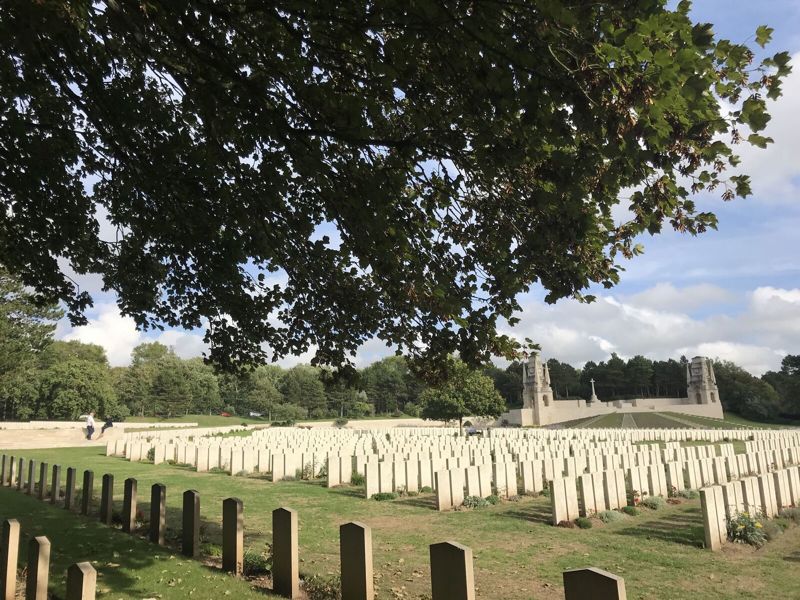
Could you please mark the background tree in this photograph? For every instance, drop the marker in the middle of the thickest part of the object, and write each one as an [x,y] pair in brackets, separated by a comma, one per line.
[564,379]
[26,329]
[74,387]
[639,375]
[742,393]
[467,393]
[301,386]
[171,392]
[390,385]
[420,135]
[786,383]
[262,393]
[203,387]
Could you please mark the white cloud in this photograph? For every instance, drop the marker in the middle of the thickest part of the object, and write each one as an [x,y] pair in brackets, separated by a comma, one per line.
[112,331]
[657,323]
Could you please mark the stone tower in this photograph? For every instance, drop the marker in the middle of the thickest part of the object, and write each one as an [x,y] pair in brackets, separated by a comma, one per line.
[536,391]
[702,384]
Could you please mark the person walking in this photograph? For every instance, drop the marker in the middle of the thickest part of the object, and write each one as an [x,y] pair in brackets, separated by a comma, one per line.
[90,425]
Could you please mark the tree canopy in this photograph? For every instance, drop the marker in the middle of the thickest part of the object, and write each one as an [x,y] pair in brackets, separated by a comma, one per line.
[466,393]
[297,176]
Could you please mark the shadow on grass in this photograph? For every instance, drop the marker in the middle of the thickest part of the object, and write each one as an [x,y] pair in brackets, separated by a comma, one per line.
[793,557]
[534,513]
[680,528]
[352,492]
[428,502]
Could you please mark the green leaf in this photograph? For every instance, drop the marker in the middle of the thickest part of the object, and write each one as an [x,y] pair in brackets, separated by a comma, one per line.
[763,35]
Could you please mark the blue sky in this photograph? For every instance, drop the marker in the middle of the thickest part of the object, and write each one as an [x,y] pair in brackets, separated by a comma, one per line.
[732,294]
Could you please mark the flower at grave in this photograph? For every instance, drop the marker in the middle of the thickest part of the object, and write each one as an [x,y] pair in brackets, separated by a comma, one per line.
[759,525]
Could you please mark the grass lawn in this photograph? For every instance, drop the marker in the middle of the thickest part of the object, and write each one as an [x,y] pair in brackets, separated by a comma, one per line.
[201,420]
[518,555]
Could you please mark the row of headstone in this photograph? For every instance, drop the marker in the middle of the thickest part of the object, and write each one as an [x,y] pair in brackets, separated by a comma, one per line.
[81,577]
[763,496]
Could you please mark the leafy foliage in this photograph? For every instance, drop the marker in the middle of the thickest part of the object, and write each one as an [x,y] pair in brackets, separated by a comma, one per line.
[310,175]
[746,528]
[467,392]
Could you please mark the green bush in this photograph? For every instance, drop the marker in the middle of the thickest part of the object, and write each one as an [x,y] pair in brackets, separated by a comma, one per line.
[340,422]
[745,528]
[653,502]
[318,587]
[583,522]
[218,470]
[426,489]
[382,496]
[610,516]
[791,514]
[493,499]
[212,550]
[772,529]
[688,494]
[475,502]
[630,510]
[257,563]
[356,478]
[151,455]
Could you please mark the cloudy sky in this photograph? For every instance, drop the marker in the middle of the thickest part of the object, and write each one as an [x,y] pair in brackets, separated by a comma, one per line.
[732,294]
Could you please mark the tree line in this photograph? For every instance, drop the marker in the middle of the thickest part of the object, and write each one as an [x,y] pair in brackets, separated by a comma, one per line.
[43,378]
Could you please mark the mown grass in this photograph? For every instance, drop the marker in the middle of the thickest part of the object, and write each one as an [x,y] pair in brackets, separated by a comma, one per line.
[518,554]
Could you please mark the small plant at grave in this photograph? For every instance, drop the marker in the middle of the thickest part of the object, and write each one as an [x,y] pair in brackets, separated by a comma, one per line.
[383,496]
[172,462]
[566,524]
[475,502]
[242,474]
[151,455]
[244,424]
[307,472]
[674,501]
[772,529]
[289,478]
[426,489]
[654,502]
[340,422]
[583,522]
[218,470]
[256,563]
[318,587]
[211,550]
[493,499]
[790,514]
[746,528]
[610,516]
[630,510]
[356,478]
[637,497]
[323,471]
[672,492]
[688,494]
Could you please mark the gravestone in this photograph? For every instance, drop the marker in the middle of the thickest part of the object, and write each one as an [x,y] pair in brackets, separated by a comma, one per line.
[355,550]
[285,567]
[38,569]
[594,584]
[190,535]
[452,576]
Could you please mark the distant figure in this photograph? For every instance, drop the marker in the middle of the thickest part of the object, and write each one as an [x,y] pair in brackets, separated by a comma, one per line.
[90,425]
[107,425]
